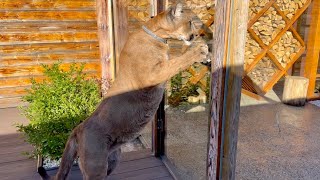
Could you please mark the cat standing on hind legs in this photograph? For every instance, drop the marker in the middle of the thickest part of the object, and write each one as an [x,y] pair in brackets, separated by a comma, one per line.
[134,97]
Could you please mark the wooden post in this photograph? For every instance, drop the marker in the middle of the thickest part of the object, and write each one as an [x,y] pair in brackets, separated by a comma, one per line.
[227,69]
[313,49]
[120,10]
[159,124]
[105,43]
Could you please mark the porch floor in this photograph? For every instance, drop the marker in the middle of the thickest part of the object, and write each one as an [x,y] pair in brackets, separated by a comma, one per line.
[136,165]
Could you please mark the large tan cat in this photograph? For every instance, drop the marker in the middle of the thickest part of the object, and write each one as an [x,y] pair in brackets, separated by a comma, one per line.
[134,97]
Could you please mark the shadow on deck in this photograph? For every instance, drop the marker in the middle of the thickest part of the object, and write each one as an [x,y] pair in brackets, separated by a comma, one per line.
[137,165]
[134,165]
[140,165]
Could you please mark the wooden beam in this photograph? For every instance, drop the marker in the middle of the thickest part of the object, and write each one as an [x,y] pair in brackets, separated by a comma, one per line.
[105,43]
[159,124]
[251,94]
[120,11]
[313,48]
[161,5]
[227,69]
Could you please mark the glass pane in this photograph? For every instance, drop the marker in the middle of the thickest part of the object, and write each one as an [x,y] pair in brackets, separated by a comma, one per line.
[187,107]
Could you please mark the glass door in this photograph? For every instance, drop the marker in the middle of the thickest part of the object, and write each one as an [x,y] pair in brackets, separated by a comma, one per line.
[182,119]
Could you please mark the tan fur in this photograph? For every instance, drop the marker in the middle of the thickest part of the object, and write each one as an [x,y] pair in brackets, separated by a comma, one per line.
[134,97]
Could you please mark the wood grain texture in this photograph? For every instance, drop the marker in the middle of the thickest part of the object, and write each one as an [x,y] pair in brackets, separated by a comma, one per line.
[227,70]
[295,90]
[251,94]
[313,49]
[234,71]
[217,79]
[42,48]
[19,81]
[18,16]
[13,92]
[104,42]
[18,27]
[46,37]
[11,102]
[47,4]
[36,70]
[120,29]
[44,32]
[52,57]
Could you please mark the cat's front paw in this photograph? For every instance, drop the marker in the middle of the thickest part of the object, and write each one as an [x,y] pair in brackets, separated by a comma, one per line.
[199,53]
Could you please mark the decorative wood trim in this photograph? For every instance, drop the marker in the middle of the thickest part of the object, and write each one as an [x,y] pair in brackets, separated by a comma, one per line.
[227,69]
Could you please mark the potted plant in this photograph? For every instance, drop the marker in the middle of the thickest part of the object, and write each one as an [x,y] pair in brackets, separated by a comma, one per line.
[55,106]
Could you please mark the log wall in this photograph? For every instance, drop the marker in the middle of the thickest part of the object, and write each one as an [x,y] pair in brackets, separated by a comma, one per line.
[44,32]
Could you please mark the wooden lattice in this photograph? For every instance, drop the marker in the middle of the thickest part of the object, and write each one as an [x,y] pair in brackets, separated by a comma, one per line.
[273,45]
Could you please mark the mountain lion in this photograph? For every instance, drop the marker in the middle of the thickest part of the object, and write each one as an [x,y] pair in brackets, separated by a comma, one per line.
[134,97]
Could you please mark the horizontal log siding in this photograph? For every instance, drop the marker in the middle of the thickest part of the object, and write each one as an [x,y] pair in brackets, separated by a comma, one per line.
[44,32]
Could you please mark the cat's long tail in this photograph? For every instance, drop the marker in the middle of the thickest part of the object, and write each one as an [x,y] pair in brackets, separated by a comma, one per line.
[69,154]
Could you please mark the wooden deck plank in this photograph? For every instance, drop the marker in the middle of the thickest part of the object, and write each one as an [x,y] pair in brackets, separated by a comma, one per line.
[138,164]
[12,157]
[10,138]
[164,178]
[18,149]
[17,169]
[136,155]
[142,169]
[143,174]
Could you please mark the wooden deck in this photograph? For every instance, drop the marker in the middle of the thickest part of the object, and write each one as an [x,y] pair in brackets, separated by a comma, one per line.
[139,165]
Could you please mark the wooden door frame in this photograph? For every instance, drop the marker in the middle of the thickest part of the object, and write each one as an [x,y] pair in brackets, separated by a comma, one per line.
[112,24]
[226,79]
[159,123]
[227,69]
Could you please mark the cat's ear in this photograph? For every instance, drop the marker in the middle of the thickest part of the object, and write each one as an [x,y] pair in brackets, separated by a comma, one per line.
[177,10]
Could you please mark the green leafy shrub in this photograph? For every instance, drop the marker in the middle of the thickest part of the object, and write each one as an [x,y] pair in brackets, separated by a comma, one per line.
[56,106]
